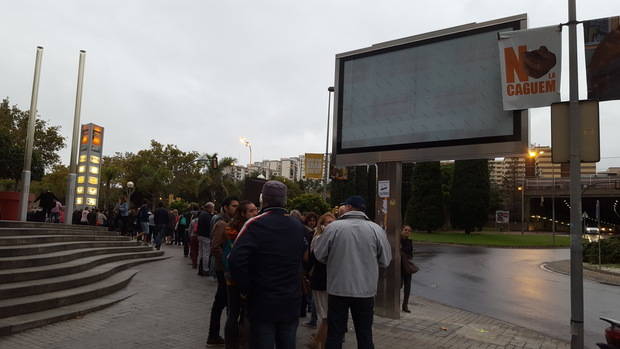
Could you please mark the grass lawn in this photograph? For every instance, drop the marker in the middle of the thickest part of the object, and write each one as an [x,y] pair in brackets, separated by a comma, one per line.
[490,239]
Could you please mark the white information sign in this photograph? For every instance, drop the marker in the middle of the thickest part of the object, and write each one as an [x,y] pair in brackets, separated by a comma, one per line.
[502,217]
[531,61]
[384,189]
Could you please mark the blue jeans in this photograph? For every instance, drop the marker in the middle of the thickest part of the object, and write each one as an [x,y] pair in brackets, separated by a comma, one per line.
[266,335]
[160,230]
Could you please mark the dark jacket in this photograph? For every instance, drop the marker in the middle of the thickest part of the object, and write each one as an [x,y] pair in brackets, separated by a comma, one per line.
[318,274]
[143,214]
[265,262]
[47,200]
[161,216]
[204,224]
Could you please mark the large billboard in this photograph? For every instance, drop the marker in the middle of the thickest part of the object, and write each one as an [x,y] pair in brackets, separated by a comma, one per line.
[435,96]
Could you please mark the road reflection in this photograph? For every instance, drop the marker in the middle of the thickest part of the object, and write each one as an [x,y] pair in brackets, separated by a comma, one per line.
[509,284]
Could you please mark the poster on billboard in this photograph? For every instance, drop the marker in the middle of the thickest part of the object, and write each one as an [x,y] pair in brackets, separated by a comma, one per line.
[314,165]
[530,63]
[602,49]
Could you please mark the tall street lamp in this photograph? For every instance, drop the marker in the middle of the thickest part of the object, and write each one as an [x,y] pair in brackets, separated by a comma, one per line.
[246,142]
[130,190]
[330,90]
[532,154]
[521,188]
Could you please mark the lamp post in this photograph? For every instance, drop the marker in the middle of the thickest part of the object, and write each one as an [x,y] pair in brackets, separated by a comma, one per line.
[330,90]
[130,190]
[521,188]
[246,142]
[532,154]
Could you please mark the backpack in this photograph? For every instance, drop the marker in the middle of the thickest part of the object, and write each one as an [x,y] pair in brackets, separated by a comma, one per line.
[183,221]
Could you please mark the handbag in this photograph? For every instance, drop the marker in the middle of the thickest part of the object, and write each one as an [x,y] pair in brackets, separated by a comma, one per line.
[407,265]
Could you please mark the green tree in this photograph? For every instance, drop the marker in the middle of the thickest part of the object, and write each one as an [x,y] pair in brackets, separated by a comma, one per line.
[469,197]
[54,181]
[361,180]
[425,208]
[215,184]
[112,175]
[309,202]
[13,129]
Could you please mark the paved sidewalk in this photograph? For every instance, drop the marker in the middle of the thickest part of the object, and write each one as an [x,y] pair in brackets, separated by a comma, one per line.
[171,309]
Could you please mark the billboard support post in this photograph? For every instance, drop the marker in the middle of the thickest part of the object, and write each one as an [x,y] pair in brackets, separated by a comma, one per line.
[326,166]
[576,257]
[70,201]
[26,174]
[388,292]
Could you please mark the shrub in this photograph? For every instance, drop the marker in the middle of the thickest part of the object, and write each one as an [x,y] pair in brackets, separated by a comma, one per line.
[610,251]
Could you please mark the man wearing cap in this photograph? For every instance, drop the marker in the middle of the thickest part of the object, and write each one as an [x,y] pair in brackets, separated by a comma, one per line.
[353,247]
[265,262]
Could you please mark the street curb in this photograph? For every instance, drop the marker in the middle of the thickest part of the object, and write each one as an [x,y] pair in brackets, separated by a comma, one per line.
[548,266]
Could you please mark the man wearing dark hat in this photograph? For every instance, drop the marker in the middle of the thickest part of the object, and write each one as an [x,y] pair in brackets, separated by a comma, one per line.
[354,248]
[266,264]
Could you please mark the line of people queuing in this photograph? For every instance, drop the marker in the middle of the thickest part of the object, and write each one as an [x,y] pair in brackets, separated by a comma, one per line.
[273,267]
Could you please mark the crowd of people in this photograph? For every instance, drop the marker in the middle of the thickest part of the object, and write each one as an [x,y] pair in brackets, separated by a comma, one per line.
[274,267]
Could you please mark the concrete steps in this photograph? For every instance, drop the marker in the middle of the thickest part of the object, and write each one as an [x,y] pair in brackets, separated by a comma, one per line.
[69,255]
[62,282]
[52,272]
[39,302]
[39,225]
[44,239]
[19,323]
[52,231]
[74,266]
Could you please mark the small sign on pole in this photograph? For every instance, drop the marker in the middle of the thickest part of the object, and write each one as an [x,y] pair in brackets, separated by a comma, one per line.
[502,217]
[383,189]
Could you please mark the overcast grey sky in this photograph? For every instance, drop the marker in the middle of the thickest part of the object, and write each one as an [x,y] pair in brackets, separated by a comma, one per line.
[202,73]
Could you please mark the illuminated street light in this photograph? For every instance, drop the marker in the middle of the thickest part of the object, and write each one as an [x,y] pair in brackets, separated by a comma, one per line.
[246,142]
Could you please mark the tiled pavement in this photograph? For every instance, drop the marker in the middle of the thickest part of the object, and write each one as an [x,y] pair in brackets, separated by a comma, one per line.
[170,309]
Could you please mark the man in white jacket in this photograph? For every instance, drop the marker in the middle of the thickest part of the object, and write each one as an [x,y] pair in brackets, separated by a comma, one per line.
[353,247]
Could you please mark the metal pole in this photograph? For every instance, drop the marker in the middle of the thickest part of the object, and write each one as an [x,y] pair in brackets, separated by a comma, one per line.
[250,147]
[23,204]
[70,202]
[326,169]
[598,224]
[523,207]
[553,206]
[576,260]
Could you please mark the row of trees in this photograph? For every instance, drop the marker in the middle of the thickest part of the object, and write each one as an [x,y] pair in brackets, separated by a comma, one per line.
[433,193]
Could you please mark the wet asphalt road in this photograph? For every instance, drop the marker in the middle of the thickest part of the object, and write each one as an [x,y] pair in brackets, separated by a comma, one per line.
[510,285]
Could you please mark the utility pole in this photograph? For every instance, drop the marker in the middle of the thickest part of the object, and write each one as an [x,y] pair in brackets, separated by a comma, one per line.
[576,255]
[32,118]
